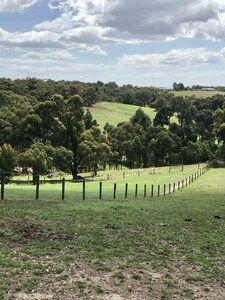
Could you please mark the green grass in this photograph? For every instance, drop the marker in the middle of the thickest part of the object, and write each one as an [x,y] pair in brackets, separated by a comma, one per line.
[197,94]
[156,248]
[74,190]
[114,113]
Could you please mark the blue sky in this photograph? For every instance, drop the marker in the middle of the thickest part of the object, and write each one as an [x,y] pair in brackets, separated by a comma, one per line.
[144,42]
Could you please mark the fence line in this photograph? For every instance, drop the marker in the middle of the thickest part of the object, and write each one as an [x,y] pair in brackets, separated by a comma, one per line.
[167,189]
[139,173]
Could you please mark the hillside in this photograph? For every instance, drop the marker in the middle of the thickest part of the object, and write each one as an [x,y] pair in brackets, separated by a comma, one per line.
[198,93]
[114,113]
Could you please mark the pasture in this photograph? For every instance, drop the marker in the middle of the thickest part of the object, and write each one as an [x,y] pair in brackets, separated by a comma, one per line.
[136,180]
[197,93]
[114,113]
[168,247]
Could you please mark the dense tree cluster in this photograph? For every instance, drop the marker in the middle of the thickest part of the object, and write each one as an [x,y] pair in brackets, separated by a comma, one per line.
[44,125]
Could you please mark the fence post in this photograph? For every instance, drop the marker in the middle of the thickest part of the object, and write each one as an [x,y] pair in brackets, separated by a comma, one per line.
[63,188]
[2,184]
[174,187]
[37,186]
[164,191]
[182,168]
[114,192]
[178,185]
[136,190]
[152,191]
[169,188]
[84,185]
[145,191]
[100,190]
[126,190]
[158,190]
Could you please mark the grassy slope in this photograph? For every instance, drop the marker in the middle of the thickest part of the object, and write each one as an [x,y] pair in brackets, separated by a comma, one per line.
[114,113]
[169,247]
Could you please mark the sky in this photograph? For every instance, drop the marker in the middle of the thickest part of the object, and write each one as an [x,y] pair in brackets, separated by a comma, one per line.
[138,42]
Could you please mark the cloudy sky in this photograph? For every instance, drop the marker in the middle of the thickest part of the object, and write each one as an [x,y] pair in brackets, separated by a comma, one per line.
[141,42]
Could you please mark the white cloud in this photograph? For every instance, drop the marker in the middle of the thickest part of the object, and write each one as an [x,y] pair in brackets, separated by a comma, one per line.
[131,21]
[92,24]
[54,56]
[177,57]
[15,5]
[30,39]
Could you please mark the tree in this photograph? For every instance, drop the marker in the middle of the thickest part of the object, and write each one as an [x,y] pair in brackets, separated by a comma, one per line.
[178,86]
[36,158]
[7,159]
[141,118]
[94,149]
[160,148]
[88,120]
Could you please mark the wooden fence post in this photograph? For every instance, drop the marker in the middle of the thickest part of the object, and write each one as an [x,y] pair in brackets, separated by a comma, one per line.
[2,184]
[145,190]
[169,188]
[174,187]
[84,186]
[158,190]
[152,191]
[136,190]
[37,186]
[126,190]
[114,191]
[164,191]
[100,190]
[63,188]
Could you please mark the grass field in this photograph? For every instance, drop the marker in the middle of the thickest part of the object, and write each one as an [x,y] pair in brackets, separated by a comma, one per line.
[197,94]
[169,247]
[114,113]
[74,190]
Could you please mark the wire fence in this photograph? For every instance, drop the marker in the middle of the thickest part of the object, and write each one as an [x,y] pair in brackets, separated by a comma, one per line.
[85,189]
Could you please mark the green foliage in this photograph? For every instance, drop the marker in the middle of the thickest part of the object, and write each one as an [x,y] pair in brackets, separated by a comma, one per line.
[35,157]
[7,158]
[184,128]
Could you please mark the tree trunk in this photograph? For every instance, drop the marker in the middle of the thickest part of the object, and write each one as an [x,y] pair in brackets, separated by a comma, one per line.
[74,170]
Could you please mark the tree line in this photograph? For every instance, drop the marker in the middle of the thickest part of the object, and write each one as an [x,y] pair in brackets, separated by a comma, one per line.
[45,125]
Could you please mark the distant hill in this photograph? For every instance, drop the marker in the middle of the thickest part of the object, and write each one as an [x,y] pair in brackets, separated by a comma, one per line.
[114,113]
[197,93]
